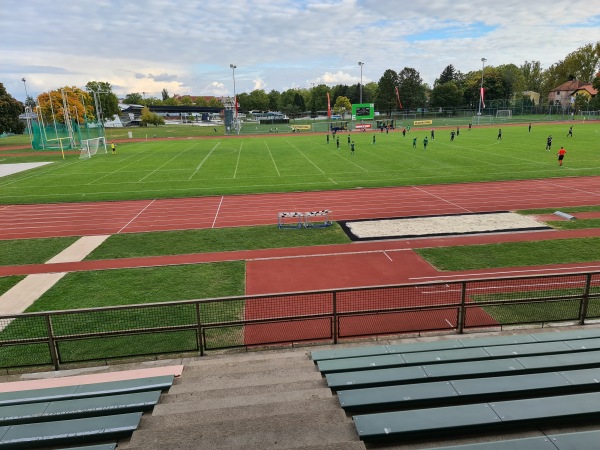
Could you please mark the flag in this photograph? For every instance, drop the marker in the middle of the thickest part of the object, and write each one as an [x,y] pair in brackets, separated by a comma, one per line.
[398,98]
[482,103]
[328,106]
[236,106]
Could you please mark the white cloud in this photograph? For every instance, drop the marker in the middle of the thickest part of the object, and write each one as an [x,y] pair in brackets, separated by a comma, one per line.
[146,47]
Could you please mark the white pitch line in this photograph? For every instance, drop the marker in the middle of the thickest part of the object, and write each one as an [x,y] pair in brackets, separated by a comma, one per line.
[508,272]
[161,166]
[136,216]
[307,158]
[237,163]
[272,159]
[217,213]
[203,161]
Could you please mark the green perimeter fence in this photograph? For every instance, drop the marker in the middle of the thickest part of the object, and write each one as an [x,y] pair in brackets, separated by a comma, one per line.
[62,337]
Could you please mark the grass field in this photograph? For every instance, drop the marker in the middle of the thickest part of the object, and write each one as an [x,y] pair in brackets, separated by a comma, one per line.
[304,162]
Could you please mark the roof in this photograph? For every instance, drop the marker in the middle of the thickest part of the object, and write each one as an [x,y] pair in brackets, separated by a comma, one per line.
[570,86]
[588,88]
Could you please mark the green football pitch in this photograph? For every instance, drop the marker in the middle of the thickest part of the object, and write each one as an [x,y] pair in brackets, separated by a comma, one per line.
[159,168]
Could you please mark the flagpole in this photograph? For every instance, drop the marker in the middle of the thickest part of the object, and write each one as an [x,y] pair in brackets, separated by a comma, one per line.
[483,60]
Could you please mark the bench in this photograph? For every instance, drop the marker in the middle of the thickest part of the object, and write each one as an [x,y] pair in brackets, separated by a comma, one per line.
[469,369]
[443,393]
[585,440]
[467,418]
[62,432]
[78,408]
[162,383]
[322,355]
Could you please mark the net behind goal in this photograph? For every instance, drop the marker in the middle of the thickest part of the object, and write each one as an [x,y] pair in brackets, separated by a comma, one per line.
[89,147]
[504,114]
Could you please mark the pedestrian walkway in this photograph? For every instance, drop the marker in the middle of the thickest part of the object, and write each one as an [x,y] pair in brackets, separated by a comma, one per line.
[22,295]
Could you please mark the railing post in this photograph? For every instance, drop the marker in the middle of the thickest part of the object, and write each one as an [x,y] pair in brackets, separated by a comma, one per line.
[52,343]
[335,318]
[583,307]
[460,325]
[200,338]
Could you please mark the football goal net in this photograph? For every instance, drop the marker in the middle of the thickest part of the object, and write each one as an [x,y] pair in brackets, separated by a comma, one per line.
[504,114]
[90,147]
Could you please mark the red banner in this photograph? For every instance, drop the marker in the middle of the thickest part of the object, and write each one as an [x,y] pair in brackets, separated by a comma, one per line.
[482,103]
[398,98]
[328,106]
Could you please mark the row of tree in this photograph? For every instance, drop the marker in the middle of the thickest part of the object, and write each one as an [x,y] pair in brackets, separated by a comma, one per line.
[452,89]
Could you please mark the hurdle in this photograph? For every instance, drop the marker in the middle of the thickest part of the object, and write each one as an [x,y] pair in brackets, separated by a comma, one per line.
[325,214]
[297,223]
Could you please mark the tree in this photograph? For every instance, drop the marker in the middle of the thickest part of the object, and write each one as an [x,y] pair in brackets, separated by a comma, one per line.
[165,94]
[446,76]
[532,75]
[386,91]
[274,99]
[10,109]
[150,118]
[258,99]
[108,102]
[186,100]
[411,88]
[80,105]
[30,101]
[342,106]
[215,103]
[134,98]
[446,95]
[513,81]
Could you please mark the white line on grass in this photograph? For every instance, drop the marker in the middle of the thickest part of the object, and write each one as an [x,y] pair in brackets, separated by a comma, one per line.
[136,216]
[217,213]
[307,158]
[127,165]
[161,166]
[440,198]
[204,160]
[237,163]
[41,172]
[332,181]
[278,174]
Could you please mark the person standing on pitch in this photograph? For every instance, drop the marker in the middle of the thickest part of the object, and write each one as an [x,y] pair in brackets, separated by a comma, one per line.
[561,155]
[432,134]
[549,143]
[328,138]
[348,139]
[570,133]
[113,147]
[425,143]
[337,142]
[373,138]
[499,138]
[452,135]
[352,148]
[415,143]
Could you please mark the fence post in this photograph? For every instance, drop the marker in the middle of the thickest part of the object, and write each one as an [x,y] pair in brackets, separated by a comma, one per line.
[583,307]
[461,309]
[52,343]
[200,338]
[335,318]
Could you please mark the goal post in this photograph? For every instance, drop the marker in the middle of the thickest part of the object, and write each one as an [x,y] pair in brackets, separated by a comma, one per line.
[504,114]
[90,147]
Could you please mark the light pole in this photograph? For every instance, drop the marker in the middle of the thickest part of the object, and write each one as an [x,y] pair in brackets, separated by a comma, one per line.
[483,60]
[28,113]
[361,64]
[233,67]
[25,84]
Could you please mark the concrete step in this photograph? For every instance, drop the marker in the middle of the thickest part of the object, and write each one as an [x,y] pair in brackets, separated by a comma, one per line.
[182,390]
[283,432]
[346,445]
[250,362]
[189,403]
[246,379]
[240,410]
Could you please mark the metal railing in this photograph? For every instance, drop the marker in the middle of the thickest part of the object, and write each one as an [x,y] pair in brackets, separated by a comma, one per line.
[60,337]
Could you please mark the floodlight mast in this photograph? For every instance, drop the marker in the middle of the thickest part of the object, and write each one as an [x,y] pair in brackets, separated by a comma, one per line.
[233,67]
[361,64]
[483,60]
[28,113]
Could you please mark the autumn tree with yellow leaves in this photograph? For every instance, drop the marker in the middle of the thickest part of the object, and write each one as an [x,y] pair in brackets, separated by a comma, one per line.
[80,105]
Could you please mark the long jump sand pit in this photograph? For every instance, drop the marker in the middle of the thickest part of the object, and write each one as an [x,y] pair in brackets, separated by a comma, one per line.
[443,225]
[9,169]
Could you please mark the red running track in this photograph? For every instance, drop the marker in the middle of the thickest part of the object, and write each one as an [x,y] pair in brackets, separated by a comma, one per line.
[76,219]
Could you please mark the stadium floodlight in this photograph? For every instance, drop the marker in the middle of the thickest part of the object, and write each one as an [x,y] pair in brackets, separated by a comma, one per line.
[361,64]
[483,60]
[233,67]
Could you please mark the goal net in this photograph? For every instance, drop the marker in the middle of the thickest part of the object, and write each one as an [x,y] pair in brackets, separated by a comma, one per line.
[90,147]
[504,114]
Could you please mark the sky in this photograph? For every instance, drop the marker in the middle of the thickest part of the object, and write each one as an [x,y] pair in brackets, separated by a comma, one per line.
[187,47]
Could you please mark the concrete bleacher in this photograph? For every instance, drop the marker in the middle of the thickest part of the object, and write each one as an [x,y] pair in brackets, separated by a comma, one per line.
[278,399]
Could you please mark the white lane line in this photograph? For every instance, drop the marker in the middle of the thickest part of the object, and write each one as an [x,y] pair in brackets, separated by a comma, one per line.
[136,216]
[217,213]
[387,256]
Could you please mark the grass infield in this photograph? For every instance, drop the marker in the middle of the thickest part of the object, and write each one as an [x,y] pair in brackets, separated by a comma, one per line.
[304,162]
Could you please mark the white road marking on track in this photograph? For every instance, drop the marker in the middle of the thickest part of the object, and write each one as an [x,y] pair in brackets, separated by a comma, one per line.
[217,213]
[387,256]
[136,216]
[508,272]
